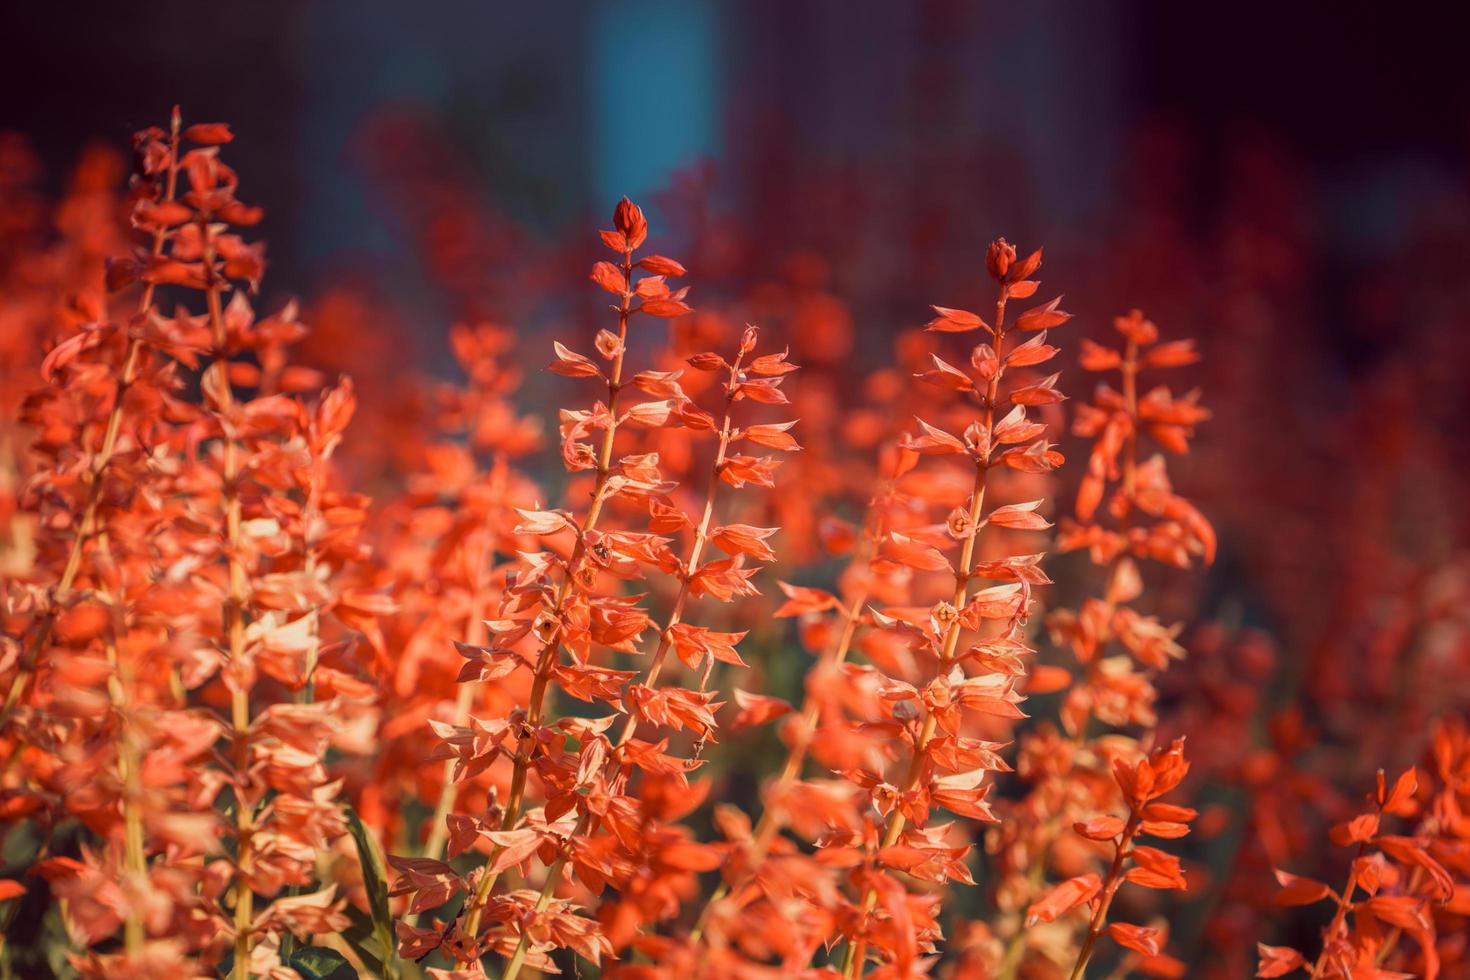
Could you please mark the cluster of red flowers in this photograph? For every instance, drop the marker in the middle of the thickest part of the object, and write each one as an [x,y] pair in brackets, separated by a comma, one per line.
[259,724]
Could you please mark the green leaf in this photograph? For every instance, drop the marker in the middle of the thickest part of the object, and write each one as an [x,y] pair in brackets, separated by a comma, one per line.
[374,869]
[321,963]
[362,935]
[375,882]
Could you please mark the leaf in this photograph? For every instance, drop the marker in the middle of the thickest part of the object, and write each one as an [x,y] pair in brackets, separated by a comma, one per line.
[739,470]
[1041,317]
[1100,828]
[954,321]
[1278,961]
[1043,392]
[1404,911]
[609,277]
[1155,869]
[902,857]
[649,414]
[1022,289]
[375,883]
[464,830]
[1138,938]
[541,522]
[689,855]
[694,643]
[743,539]
[667,308]
[1034,351]
[571,364]
[659,384]
[772,435]
[1021,516]
[1035,458]
[756,709]
[933,441]
[1296,890]
[1174,353]
[1063,898]
[946,375]
[763,390]
[661,265]
[1047,679]
[362,935]
[321,963]
[708,361]
[1402,793]
[913,553]
[209,134]
[801,600]
[1412,852]
[1024,268]
[512,847]
[162,214]
[773,365]
[1361,828]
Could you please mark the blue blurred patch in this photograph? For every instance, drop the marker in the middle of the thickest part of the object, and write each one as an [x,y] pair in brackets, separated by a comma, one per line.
[655,80]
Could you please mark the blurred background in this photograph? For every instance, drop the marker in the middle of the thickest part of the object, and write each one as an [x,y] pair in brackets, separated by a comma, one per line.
[1288,183]
[893,139]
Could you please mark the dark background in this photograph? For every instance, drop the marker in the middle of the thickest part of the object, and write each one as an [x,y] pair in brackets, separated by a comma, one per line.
[971,119]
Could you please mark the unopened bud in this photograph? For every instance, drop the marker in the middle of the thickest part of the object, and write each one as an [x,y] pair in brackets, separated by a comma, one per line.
[628,219]
[999,258]
[747,339]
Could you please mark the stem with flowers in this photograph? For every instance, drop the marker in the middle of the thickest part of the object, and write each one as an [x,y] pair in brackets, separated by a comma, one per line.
[87,525]
[855,950]
[1133,492]
[666,635]
[981,444]
[1111,883]
[631,229]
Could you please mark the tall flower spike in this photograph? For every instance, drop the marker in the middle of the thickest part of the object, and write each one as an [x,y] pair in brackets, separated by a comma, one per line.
[158,183]
[555,611]
[665,851]
[80,683]
[1125,510]
[561,611]
[267,454]
[223,499]
[929,715]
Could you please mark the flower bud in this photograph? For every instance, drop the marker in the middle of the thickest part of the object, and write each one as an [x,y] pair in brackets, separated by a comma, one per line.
[748,339]
[628,219]
[999,258]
